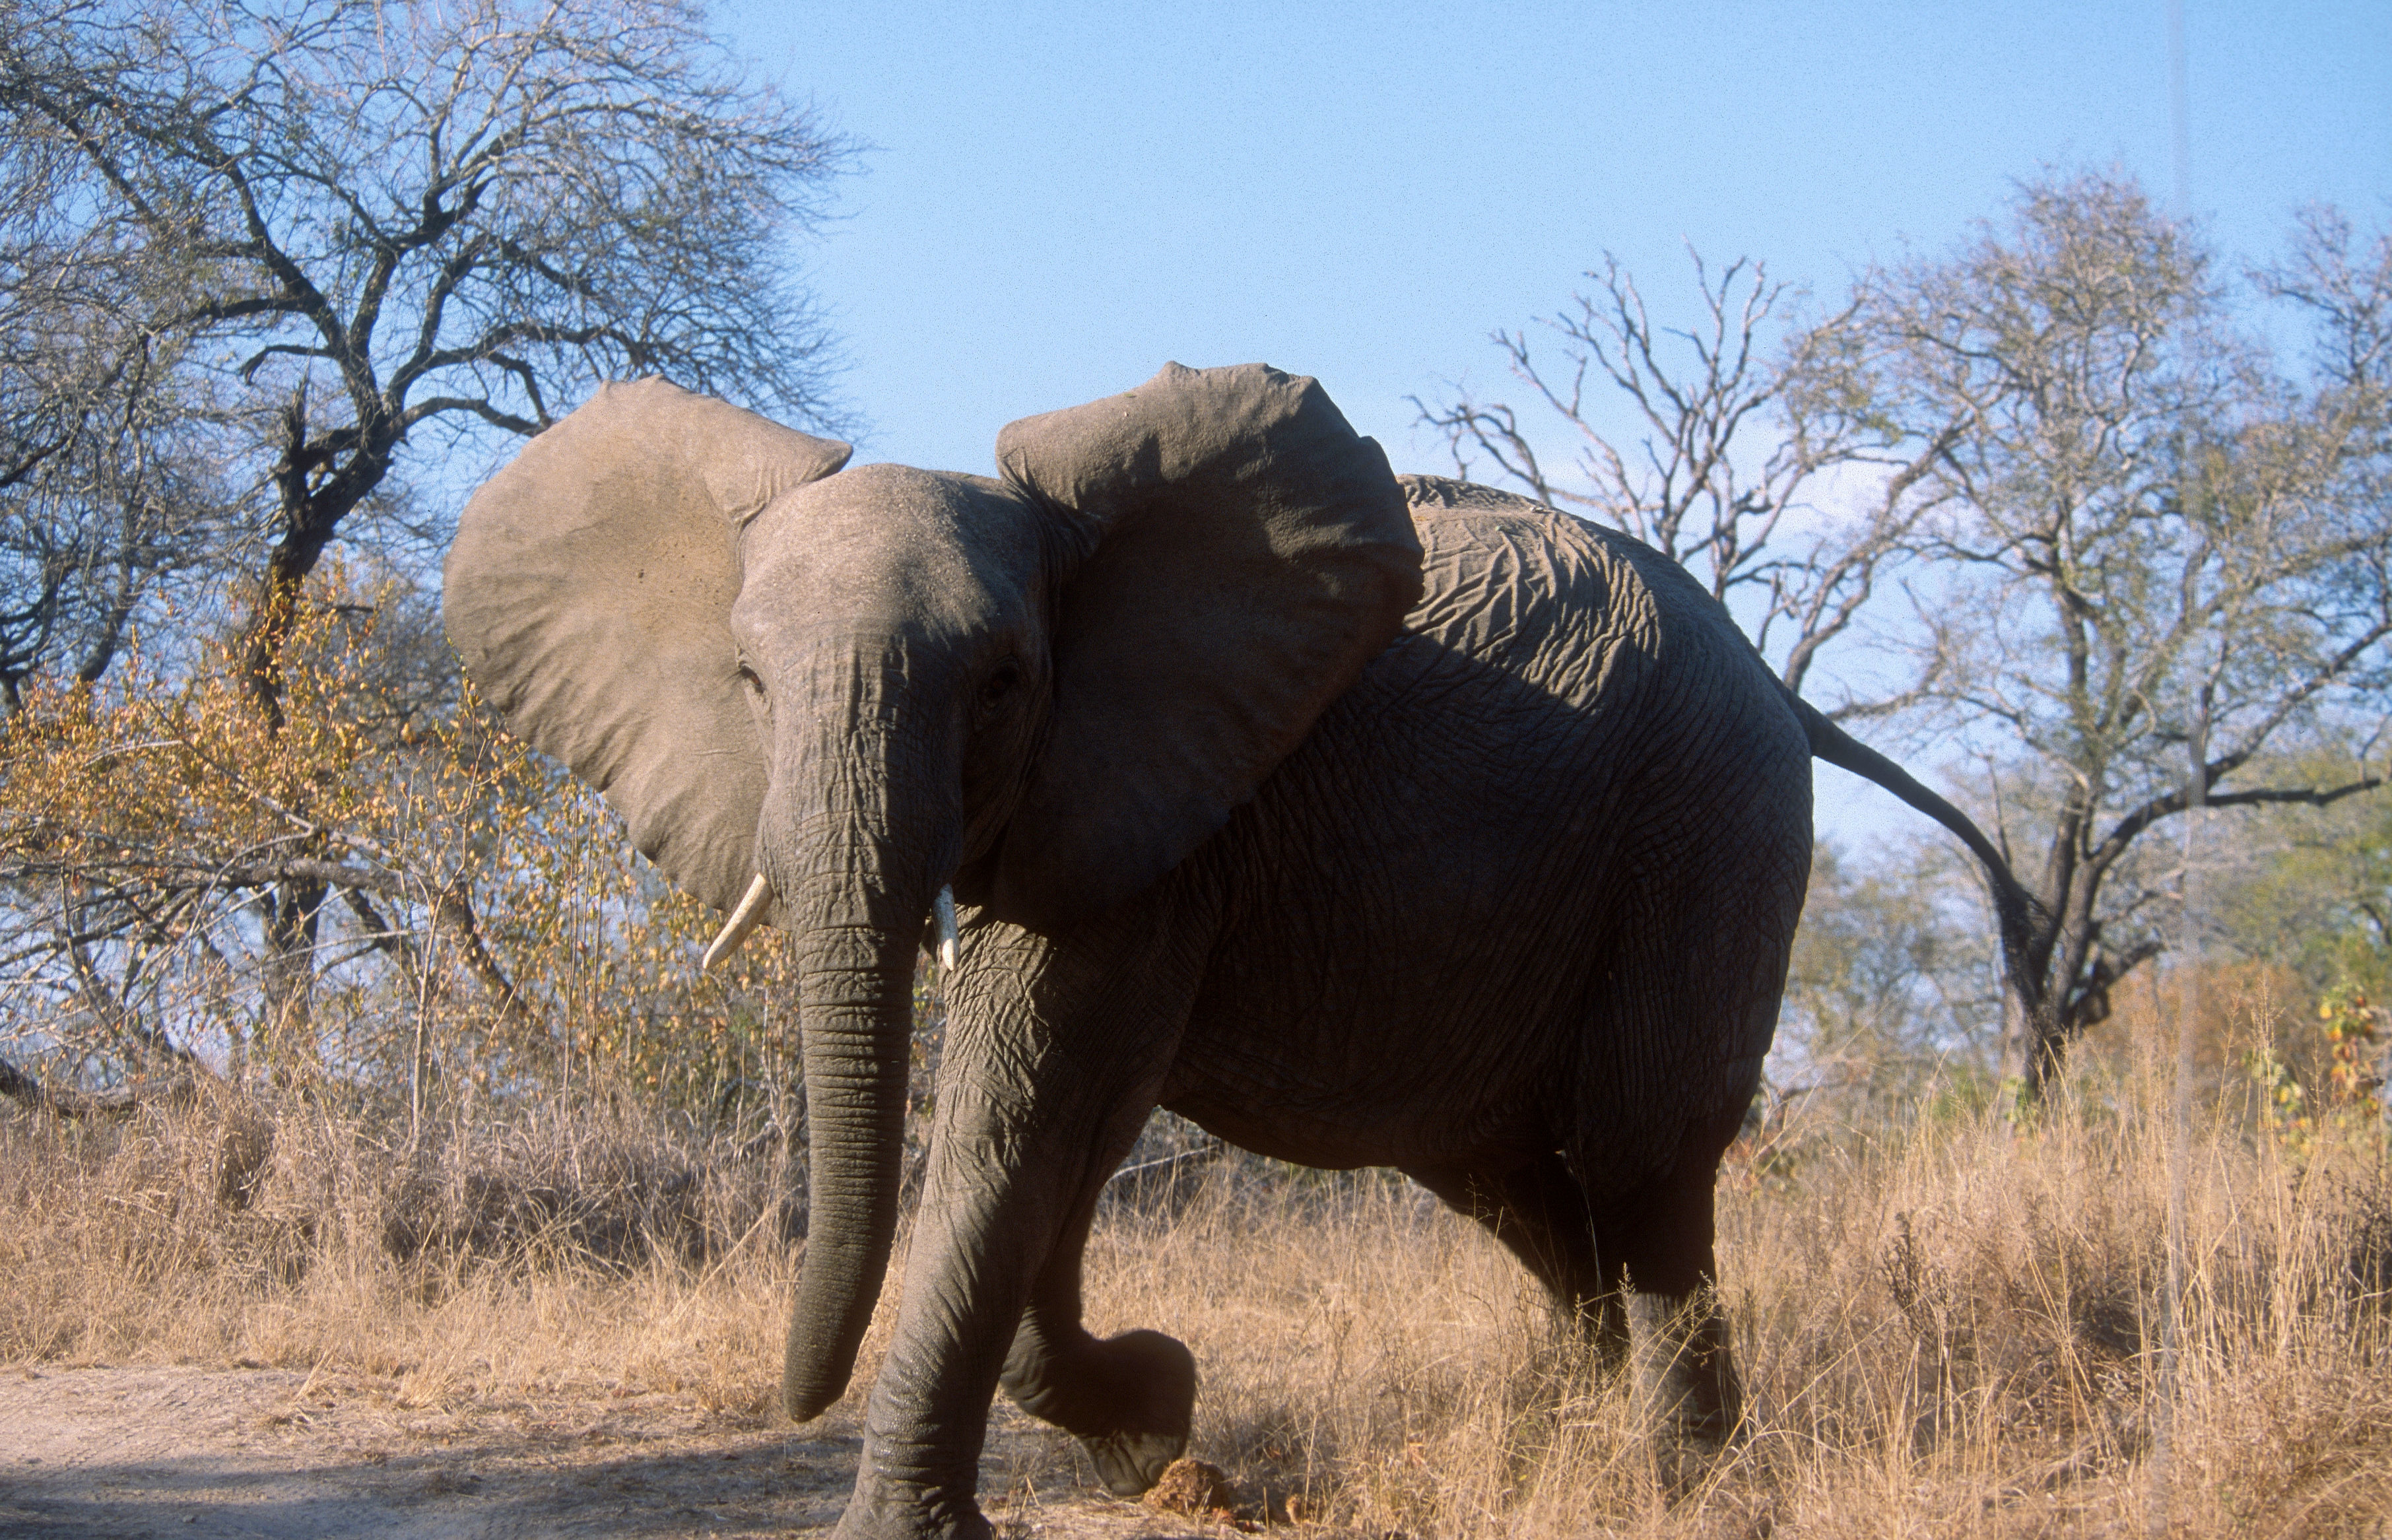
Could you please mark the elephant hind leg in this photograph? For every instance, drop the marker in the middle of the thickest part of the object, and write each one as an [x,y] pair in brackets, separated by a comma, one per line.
[1130,1399]
[1662,1238]
[1538,1212]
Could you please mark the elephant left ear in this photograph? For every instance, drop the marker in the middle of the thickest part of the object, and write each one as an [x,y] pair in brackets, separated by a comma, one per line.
[1250,554]
[588,595]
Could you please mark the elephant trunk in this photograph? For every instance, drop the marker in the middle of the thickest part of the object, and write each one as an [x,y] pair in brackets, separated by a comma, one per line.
[858,992]
[855,883]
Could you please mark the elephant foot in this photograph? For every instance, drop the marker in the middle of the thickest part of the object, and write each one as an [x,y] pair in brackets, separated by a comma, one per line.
[1687,1381]
[877,1513]
[1129,1464]
[1683,1462]
[1129,1400]
[1153,1379]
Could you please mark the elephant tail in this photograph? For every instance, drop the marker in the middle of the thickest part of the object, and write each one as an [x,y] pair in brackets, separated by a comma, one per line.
[2020,915]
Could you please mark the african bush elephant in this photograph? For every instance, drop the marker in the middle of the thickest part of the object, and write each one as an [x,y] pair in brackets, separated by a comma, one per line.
[1362,819]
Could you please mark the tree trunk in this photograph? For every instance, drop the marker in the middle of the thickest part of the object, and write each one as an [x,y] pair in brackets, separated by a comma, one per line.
[310,514]
[287,978]
[2044,954]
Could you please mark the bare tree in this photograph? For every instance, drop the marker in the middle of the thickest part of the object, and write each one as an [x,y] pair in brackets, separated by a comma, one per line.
[2118,524]
[1746,439]
[2142,531]
[1884,990]
[367,218]
[106,483]
[337,225]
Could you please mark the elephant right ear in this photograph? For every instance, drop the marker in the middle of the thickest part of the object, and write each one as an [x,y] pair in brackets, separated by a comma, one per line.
[589,594]
[1249,553]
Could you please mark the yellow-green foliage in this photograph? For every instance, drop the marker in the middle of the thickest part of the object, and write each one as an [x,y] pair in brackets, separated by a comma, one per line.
[481,920]
[2344,1108]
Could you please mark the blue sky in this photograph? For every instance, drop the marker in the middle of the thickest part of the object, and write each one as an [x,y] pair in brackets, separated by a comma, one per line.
[1060,197]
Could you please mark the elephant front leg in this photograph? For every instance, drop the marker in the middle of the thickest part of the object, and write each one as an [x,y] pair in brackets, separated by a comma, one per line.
[993,1208]
[1129,1400]
[1026,1135]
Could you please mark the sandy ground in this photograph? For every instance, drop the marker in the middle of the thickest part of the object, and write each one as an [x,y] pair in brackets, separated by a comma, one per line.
[271,1454]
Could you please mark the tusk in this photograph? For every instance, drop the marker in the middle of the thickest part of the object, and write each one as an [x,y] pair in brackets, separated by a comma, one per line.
[944,907]
[743,920]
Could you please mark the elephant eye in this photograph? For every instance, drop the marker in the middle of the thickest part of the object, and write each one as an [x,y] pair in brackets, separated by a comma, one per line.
[1002,682]
[758,702]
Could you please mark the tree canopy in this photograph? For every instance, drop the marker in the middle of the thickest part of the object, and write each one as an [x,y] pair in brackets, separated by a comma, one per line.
[280,238]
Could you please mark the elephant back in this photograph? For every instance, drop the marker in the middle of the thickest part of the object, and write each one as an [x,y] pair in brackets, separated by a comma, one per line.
[1604,628]
[1582,611]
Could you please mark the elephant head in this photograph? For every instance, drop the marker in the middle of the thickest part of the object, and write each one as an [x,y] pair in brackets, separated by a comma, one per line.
[832,693]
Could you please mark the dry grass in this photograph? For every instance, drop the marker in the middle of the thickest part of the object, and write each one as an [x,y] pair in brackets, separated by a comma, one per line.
[591,1255]
[1947,1331]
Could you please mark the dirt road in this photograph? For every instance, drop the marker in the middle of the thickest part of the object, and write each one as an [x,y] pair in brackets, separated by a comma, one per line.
[273,1455]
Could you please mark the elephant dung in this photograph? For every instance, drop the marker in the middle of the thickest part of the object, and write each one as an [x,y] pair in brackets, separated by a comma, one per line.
[1192,1487]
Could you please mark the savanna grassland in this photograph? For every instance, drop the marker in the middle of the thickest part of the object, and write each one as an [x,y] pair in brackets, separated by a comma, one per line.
[465,1186]
[1950,1330]
[366,1121]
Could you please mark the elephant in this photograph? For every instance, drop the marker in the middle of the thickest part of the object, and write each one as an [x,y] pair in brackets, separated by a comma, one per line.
[1362,819]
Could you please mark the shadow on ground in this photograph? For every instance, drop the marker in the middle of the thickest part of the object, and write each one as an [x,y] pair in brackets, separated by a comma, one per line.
[270,1455]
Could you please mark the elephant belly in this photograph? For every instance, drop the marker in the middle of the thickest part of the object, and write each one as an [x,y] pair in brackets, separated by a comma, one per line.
[1491,909]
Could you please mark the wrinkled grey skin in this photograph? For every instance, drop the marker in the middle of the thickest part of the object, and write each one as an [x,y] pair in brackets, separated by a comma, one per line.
[1426,829]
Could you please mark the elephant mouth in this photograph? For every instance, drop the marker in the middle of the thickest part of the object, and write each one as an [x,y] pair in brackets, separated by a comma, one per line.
[758,899]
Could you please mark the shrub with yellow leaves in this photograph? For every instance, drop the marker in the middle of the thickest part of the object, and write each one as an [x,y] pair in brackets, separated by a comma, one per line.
[386,891]
[2345,1105]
